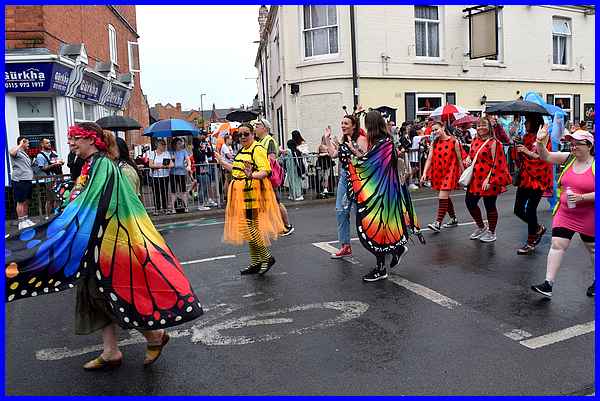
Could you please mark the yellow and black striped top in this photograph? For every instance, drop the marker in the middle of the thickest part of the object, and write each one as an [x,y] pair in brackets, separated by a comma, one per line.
[255,154]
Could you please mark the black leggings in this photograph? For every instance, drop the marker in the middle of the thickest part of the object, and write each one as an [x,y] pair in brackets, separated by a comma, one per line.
[160,186]
[526,204]
[488,201]
[562,232]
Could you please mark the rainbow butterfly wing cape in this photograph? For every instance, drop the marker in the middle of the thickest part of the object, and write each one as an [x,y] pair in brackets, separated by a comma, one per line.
[104,232]
[385,213]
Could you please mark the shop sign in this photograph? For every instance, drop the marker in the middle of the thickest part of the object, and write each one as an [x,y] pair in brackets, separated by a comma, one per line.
[89,89]
[116,98]
[36,77]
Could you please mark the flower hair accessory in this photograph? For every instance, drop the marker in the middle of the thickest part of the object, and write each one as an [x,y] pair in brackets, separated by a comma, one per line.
[77,131]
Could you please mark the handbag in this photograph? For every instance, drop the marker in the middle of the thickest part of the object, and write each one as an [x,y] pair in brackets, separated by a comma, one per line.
[467,175]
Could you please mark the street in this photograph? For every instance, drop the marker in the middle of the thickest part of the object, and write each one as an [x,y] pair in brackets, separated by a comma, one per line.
[456,317]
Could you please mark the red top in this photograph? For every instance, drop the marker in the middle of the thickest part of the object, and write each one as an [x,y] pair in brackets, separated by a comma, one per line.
[444,171]
[485,163]
[534,173]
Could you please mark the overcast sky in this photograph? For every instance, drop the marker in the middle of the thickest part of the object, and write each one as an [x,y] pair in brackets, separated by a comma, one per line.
[189,50]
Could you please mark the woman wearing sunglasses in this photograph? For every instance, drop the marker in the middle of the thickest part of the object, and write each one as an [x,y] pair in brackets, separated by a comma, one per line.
[574,213]
[252,212]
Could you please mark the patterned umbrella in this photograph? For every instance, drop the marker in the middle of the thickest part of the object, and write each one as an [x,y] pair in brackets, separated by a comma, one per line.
[170,128]
[448,112]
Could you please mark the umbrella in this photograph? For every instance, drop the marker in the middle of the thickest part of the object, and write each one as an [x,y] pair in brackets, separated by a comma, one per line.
[448,111]
[241,116]
[225,128]
[468,119]
[118,123]
[516,107]
[171,127]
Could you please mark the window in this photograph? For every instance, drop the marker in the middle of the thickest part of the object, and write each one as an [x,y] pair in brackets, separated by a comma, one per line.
[561,41]
[134,56]
[36,121]
[426,103]
[565,102]
[427,31]
[500,56]
[320,30]
[275,56]
[112,44]
[83,111]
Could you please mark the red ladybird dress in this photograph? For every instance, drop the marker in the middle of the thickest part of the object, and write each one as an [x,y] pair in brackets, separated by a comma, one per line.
[485,163]
[535,173]
[444,171]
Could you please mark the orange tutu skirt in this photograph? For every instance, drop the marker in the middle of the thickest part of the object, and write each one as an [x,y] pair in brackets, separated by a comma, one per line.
[255,200]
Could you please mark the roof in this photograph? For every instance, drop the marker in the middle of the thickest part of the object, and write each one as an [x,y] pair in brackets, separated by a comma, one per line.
[34,51]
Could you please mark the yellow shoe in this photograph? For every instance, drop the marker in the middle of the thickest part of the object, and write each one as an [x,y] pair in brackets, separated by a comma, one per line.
[100,363]
[154,351]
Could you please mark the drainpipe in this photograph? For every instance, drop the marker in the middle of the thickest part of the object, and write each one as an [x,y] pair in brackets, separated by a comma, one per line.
[354,66]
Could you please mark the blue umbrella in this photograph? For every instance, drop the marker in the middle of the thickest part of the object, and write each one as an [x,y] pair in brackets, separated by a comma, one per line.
[170,128]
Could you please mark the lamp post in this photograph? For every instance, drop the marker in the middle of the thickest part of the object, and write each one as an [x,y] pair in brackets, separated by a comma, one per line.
[202,109]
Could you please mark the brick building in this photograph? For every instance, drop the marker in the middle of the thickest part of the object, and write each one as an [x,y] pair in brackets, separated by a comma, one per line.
[161,112]
[66,64]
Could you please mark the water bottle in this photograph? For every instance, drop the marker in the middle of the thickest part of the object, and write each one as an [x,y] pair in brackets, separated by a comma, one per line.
[570,204]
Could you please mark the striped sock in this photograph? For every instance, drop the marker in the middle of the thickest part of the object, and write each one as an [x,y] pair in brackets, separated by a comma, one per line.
[492,216]
[531,239]
[442,209]
[451,212]
[476,214]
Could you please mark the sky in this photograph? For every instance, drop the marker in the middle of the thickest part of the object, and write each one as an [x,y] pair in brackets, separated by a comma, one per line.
[189,50]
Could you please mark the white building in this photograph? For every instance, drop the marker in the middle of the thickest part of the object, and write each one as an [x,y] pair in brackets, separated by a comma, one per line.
[415,58]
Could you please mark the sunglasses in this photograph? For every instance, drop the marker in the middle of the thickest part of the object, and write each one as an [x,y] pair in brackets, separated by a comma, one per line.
[245,134]
[579,143]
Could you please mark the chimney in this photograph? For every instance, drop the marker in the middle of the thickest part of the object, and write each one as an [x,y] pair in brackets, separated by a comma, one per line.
[263,12]
[178,105]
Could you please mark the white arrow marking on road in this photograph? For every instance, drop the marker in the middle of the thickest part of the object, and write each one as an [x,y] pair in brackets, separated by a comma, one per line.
[557,336]
[212,336]
[191,262]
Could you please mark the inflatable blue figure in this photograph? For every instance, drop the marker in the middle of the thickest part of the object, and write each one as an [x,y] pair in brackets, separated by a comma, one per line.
[556,126]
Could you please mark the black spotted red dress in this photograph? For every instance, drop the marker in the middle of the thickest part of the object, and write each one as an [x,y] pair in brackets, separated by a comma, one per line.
[534,173]
[485,163]
[444,171]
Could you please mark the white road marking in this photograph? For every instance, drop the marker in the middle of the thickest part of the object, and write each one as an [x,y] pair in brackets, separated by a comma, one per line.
[557,336]
[432,197]
[212,336]
[191,262]
[252,294]
[331,249]
[186,225]
[517,334]
[425,292]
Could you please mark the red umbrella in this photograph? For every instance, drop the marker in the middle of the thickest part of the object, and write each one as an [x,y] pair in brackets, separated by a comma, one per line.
[449,111]
[468,119]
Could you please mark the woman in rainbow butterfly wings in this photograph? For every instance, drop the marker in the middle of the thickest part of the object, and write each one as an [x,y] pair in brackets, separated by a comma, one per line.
[385,215]
[103,242]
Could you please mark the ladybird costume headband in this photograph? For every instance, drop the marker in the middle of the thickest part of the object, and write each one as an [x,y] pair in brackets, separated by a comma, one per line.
[77,131]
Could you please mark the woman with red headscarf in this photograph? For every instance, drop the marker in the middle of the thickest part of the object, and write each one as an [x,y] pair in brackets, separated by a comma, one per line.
[103,242]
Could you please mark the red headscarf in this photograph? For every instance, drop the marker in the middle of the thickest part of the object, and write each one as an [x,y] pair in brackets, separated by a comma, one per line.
[76,130]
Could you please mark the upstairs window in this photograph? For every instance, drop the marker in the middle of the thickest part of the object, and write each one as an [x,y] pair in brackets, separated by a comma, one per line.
[320,31]
[561,41]
[427,31]
[112,44]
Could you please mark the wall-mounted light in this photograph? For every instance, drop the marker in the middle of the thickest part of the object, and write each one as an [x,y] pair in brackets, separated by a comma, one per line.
[483,99]
[520,97]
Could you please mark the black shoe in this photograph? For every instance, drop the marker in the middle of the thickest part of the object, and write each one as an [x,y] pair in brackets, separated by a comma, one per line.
[539,235]
[266,266]
[398,255]
[288,230]
[591,291]
[527,249]
[436,226]
[375,275]
[252,269]
[544,289]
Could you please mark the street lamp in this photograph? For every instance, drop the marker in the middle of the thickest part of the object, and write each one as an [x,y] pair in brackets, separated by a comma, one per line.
[202,108]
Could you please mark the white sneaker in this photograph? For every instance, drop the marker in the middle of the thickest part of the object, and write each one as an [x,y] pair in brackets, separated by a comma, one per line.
[413,187]
[300,198]
[478,232]
[203,208]
[26,224]
[488,236]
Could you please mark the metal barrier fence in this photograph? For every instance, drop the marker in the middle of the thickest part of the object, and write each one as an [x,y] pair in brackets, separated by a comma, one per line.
[308,177]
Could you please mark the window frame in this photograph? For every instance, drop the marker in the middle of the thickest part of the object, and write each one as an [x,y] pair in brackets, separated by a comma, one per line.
[568,39]
[112,45]
[328,55]
[440,23]
[129,54]
[84,105]
[570,109]
[49,119]
[427,95]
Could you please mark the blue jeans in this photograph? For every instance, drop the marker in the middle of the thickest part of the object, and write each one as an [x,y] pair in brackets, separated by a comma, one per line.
[203,183]
[343,205]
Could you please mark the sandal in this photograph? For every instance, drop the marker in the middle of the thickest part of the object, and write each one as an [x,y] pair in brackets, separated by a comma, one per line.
[154,351]
[100,363]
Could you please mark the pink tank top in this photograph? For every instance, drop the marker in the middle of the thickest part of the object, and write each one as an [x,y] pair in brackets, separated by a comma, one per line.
[580,218]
